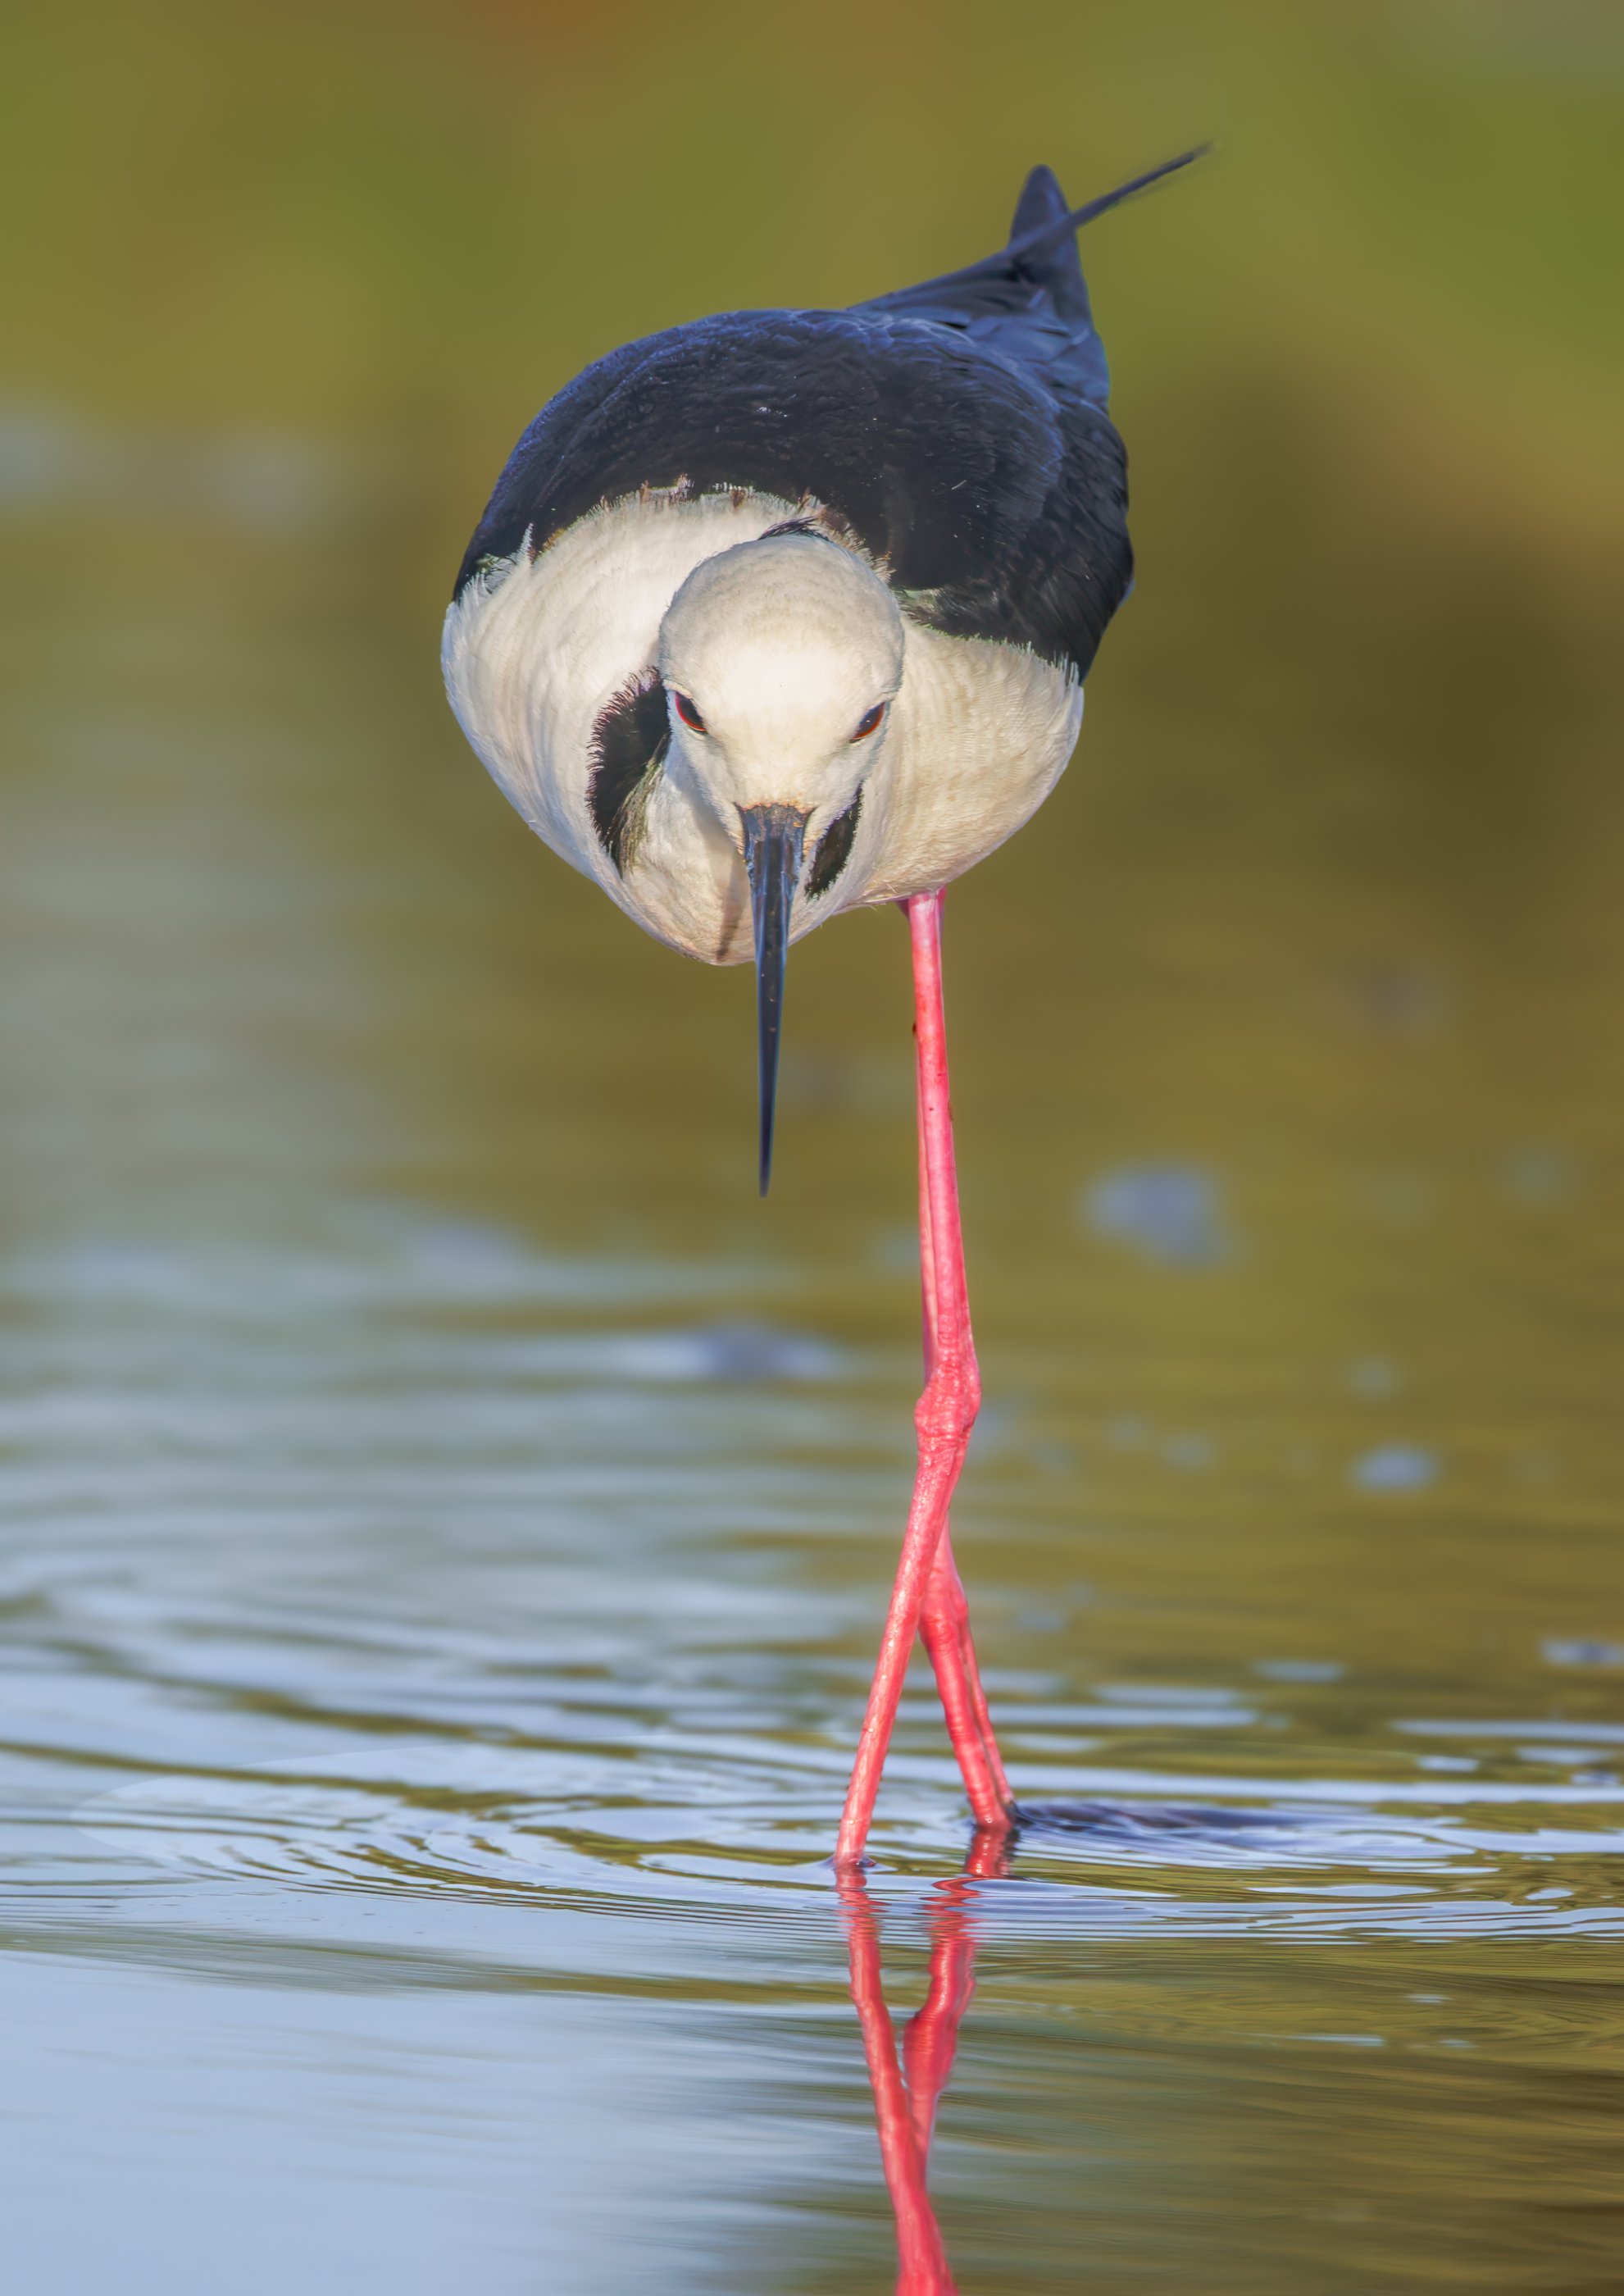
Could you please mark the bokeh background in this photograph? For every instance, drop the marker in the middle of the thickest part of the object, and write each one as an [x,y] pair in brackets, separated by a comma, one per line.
[284,287]
[1289,1061]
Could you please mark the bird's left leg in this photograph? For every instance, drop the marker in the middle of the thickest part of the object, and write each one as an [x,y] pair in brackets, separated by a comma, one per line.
[945,1629]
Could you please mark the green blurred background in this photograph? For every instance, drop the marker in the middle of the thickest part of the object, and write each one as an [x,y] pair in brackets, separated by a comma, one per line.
[1322,933]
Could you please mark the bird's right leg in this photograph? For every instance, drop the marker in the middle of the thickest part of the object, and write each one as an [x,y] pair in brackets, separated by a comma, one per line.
[926,1580]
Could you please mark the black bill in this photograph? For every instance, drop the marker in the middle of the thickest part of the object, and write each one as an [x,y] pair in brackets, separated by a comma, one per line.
[774,836]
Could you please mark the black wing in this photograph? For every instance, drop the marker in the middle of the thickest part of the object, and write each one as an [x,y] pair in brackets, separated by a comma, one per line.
[958,428]
[1030,302]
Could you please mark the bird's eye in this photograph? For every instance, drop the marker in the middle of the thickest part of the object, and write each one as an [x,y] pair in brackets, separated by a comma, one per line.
[689,714]
[868,723]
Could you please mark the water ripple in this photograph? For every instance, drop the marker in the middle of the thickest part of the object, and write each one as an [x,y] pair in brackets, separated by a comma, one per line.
[696,1824]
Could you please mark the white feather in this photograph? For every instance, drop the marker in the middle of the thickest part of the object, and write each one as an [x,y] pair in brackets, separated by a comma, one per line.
[789,653]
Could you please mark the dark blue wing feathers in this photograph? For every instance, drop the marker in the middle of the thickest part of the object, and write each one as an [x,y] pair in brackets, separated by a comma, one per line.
[1040,211]
[959,428]
[1030,302]
[1030,307]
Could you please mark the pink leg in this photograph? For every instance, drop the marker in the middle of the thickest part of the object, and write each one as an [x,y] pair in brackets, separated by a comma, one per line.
[944,1624]
[928,1597]
[945,1629]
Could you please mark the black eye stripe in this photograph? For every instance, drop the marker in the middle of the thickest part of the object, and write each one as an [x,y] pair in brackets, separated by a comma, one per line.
[834,849]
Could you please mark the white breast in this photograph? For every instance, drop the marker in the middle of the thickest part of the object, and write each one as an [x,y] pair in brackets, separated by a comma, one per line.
[534,650]
[981,734]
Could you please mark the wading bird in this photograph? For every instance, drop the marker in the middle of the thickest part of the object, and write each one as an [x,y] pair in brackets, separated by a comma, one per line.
[786,612]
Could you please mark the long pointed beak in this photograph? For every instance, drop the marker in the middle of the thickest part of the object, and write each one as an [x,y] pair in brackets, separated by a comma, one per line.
[774,836]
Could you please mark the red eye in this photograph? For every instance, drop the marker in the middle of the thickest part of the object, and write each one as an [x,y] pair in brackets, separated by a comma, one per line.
[868,723]
[686,712]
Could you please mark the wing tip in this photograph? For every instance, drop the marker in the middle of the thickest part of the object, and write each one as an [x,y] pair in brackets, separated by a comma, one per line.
[1053,225]
[1041,202]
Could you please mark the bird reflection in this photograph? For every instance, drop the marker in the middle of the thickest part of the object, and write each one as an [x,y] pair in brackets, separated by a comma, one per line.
[908,2083]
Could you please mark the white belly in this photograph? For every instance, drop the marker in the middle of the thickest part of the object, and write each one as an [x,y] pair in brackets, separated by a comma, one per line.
[977,737]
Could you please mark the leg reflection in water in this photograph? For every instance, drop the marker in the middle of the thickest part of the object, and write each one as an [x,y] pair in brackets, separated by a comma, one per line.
[906,2088]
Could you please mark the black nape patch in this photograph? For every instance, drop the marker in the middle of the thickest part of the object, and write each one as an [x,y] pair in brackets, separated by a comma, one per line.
[833,850]
[630,740]
[822,524]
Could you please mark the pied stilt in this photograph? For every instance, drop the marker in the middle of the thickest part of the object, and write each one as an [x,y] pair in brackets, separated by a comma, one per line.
[786,612]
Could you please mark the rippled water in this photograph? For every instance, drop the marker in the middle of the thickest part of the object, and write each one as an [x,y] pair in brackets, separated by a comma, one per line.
[447,1525]
[445,1521]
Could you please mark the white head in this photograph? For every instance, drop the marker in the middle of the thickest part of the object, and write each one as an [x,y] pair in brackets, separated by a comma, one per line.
[780,660]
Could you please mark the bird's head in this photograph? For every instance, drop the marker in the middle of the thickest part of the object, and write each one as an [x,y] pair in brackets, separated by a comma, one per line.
[780,660]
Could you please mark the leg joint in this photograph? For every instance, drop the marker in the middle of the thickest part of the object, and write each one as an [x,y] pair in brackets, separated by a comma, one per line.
[946,1411]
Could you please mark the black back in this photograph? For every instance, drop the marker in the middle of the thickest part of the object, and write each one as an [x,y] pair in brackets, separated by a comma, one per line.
[958,428]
